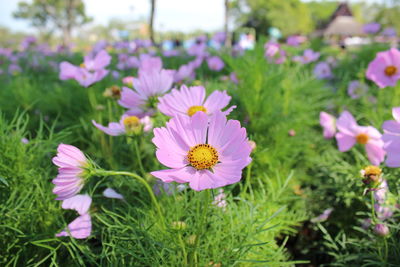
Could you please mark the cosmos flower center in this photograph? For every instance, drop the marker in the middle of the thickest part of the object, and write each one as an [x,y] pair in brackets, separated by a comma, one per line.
[372,170]
[131,123]
[194,109]
[202,156]
[82,65]
[362,138]
[390,70]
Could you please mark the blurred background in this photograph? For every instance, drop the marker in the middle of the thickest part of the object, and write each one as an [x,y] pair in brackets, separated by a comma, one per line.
[85,22]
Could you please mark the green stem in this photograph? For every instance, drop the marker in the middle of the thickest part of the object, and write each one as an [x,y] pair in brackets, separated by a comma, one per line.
[143,182]
[183,249]
[248,178]
[137,151]
[374,220]
[205,203]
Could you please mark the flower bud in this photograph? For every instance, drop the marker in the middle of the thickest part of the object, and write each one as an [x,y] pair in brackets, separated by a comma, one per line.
[381,229]
[113,92]
[372,176]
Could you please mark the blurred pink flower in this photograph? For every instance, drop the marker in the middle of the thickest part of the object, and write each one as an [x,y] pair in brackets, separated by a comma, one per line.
[295,40]
[189,100]
[323,71]
[72,163]
[350,133]
[220,200]
[308,56]
[274,53]
[126,125]
[111,193]
[391,139]
[371,28]
[381,229]
[356,89]
[328,123]
[215,63]
[384,70]
[206,152]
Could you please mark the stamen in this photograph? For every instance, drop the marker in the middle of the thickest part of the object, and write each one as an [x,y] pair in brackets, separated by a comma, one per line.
[194,109]
[202,156]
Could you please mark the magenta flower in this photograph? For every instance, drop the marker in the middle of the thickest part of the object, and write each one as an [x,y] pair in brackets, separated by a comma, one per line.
[147,88]
[126,125]
[356,89]
[72,164]
[381,229]
[98,62]
[79,228]
[295,40]
[215,63]
[188,101]
[384,70]
[185,73]
[308,56]
[323,71]
[274,53]
[206,152]
[351,133]
[391,139]
[128,80]
[328,123]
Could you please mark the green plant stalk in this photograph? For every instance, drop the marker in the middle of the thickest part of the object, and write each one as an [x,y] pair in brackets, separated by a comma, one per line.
[143,182]
[374,220]
[193,259]
[137,151]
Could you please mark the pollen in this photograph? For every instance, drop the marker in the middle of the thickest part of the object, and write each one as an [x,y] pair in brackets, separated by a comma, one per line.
[362,138]
[390,70]
[131,122]
[193,109]
[82,65]
[372,170]
[202,156]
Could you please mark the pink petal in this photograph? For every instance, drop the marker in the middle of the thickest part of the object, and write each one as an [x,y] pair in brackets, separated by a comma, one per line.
[80,203]
[345,142]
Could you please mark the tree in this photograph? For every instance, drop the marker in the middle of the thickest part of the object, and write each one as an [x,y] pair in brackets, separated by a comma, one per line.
[290,16]
[151,19]
[49,15]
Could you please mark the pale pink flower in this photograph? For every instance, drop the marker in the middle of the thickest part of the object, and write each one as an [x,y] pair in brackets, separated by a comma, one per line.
[328,123]
[126,125]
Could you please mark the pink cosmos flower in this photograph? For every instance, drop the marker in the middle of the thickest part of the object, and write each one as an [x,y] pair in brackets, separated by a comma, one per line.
[128,80]
[274,53]
[351,133]
[328,123]
[185,72]
[215,63]
[206,152]
[72,163]
[126,125]
[384,70]
[391,139]
[79,228]
[188,101]
[295,40]
[150,84]
[308,56]
[91,70]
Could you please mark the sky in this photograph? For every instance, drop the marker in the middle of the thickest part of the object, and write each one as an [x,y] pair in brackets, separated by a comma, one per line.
[177,15]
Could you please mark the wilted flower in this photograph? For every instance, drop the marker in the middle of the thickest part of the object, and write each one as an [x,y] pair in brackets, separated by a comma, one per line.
[384,70]
[111,193]
[127,125]
[356,89]
[381,229]
[189,100]
[323,216]
[391,139]
[372,176]
[350,133]
[206,152]
[328,123]
[72,165]
[113,92]
[215,63]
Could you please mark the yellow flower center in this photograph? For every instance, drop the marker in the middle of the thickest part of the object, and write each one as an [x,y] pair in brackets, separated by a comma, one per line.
[390,70]
[362,138]
[82,65]
[372,170]
[132,124]
[193,109]
[202,156]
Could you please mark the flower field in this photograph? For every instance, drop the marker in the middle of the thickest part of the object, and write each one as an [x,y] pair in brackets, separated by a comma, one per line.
[126,155]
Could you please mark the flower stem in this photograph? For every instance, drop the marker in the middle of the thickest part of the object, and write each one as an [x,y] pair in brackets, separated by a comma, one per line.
[143,182]
[204,205]
[374,220]
[136,145]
